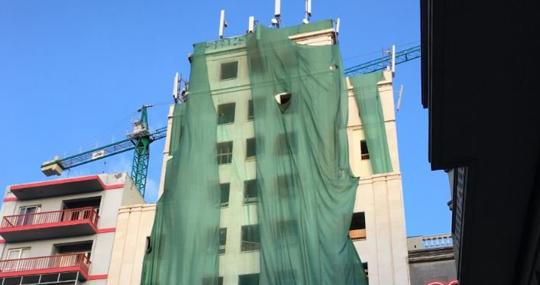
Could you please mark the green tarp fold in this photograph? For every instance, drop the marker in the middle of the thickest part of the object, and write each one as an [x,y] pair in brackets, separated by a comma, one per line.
[366,93]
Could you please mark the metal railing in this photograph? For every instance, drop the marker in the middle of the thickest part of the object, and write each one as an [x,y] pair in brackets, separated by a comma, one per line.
[51,217]
[437,241]
[55,262]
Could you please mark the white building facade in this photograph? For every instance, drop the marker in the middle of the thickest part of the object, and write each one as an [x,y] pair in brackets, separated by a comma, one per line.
[62,231]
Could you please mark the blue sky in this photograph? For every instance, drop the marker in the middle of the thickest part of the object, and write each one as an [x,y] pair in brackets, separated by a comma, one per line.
[73,73]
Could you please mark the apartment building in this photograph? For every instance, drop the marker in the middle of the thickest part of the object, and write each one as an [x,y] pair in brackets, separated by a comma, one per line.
[378,224]
[62,231]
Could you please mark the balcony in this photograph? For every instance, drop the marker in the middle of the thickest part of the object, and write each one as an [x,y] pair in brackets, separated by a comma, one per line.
[47,225]
[59,187]
[35,270]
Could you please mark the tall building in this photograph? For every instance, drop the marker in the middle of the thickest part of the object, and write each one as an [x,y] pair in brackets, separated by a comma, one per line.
[378,224]
[484,132]
[62,231]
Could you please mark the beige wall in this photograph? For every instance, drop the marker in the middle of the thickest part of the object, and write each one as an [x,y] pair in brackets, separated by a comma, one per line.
[380,197]
[134,225]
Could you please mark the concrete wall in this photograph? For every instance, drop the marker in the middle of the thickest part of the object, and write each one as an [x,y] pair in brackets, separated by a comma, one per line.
[102,242]
[134,225]
[380,197]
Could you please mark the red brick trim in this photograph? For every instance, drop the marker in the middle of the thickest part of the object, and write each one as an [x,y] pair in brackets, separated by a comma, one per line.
[97,277]
[106,230]
[10,199]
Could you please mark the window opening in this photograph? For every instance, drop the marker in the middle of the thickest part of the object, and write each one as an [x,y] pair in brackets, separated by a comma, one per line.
[222,240]
[357,230]
[250,191]
[250,148]
[225,189]
[250,110]
[364,150]
[283,99]
[224,152]
[248,279]
[226,113]
[250,238]
[27,215]
[229,70]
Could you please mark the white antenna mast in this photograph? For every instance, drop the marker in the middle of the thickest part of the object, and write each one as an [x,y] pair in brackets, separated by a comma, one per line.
[222,23]
[251,25]
[176,88]
[393,62]
[308,12]
[338,21]
[399,97]
[277,14]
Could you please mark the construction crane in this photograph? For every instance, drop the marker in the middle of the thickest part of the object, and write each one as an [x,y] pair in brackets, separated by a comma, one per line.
[390,60]
[139,140]
[141,137]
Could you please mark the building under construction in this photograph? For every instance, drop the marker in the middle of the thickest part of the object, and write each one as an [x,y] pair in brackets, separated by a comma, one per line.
[277,170]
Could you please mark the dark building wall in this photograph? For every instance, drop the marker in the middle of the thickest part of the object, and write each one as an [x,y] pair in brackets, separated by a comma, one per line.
[426,272]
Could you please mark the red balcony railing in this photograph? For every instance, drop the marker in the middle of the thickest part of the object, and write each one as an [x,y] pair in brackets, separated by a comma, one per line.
[53,217]
[45,265]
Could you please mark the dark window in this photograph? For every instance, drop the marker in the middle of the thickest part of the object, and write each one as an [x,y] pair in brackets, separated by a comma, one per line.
[229,70]
[283,99]
[357,229]
[226,113]
[250,191]
[222,240]
[365,266]
[284,185]
[248,279]
[285,143]
[224,152]
[250,148]
[225,187]
[92,202]
[287,228]
[250,110]
[364,150]
[250,237]
[74,248]
[212,281]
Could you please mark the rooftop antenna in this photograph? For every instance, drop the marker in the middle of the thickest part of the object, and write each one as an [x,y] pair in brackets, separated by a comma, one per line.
[338,21]
[277,14]
[222,23]
[393,60]
[176,88]
[251,25]
[308,12]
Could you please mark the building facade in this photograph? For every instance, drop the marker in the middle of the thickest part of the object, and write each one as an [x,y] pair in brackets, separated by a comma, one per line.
[62,231]
[431,260]
[378,227]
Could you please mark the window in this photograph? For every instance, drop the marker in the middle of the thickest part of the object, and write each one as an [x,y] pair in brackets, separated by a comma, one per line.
[224,194]
[74,247]
[284,185]
[285,143]
[226,113]
[250,191]
[224,152]
[357,230]
[16,253]
[212,281]
[248,279]
[365,266]
[364,150]
[229,70]
[250,110]
[222,240]
[250,238]
[27,215]
[250,148]
[283,99]
[287,229]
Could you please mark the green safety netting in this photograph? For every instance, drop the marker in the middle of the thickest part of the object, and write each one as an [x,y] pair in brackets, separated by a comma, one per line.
[185,237]
[305,188]
[369,105]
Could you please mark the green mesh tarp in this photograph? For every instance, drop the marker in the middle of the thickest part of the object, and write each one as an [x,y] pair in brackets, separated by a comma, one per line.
[369,105]
[307,192]
[185,236]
